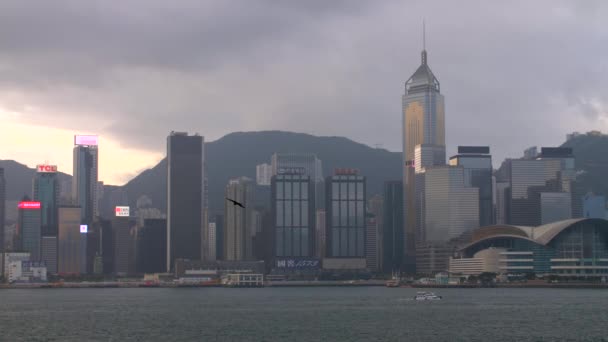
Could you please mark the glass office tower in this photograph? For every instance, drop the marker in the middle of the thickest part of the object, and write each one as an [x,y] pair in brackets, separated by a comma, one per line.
[345,203]
[46,191]
[185,196]
[294,214]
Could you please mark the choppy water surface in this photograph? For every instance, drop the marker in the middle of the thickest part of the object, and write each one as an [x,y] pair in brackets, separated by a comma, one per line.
[302,314]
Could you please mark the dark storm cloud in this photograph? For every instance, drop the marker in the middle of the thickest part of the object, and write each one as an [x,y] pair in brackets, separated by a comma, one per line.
[514,74]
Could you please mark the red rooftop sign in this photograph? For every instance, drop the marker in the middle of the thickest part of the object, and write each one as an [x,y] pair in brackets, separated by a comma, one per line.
[29,205]
[46,168]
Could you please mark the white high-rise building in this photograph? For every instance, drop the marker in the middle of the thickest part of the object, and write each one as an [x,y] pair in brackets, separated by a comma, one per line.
[263,174]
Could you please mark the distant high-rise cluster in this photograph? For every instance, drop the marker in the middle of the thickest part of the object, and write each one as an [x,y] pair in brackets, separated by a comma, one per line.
[290,219]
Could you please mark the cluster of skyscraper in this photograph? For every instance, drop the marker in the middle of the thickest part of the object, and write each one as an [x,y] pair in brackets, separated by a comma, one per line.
[54,232]
[307,223]
[445,202]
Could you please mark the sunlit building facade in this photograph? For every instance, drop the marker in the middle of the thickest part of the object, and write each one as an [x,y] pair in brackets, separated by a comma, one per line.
[71,242]
[423,123]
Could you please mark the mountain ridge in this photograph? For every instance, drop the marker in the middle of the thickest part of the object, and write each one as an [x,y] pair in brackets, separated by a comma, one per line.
[237,154]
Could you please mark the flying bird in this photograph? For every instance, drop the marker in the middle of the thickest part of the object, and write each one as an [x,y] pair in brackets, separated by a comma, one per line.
[235,203]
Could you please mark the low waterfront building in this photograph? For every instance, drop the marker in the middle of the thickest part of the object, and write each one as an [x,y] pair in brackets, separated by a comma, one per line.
[296,268]
[573,248]
[487,260]
[10,257]
[344,264]
[219,267]
[243,280]
[18,268]
[31,272]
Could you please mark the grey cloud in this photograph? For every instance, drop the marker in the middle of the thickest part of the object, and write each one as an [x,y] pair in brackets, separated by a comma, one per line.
[514,74]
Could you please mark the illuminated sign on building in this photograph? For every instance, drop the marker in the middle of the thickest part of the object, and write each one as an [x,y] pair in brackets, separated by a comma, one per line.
[29,205]
[122,211]
[346,171]
[46,168]
[290,263]
[84,228]
[291,170]
[86,140]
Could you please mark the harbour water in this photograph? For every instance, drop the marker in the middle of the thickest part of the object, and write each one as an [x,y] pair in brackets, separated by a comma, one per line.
[302,314]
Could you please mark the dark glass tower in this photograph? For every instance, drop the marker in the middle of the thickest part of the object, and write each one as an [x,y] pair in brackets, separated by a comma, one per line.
[152,246]
[345,218]
[393,234]
[293,205]
[185,197]
[46,191]
[28,228]
[84,180]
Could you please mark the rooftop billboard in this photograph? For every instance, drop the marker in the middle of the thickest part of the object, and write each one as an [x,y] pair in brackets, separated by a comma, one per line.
[86,140]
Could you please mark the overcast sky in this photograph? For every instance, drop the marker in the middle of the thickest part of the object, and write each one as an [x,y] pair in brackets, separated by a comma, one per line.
[514,73]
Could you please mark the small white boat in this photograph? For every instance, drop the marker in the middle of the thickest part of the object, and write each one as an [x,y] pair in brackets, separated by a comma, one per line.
[426,296]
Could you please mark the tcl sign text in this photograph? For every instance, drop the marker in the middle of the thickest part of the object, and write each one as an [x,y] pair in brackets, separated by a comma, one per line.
[47,168]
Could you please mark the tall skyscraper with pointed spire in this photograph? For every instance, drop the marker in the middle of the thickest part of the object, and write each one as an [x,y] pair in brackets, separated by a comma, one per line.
[423,124]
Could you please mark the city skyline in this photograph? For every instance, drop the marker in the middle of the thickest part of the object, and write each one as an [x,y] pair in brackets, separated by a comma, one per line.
[132,99]
[356,160]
